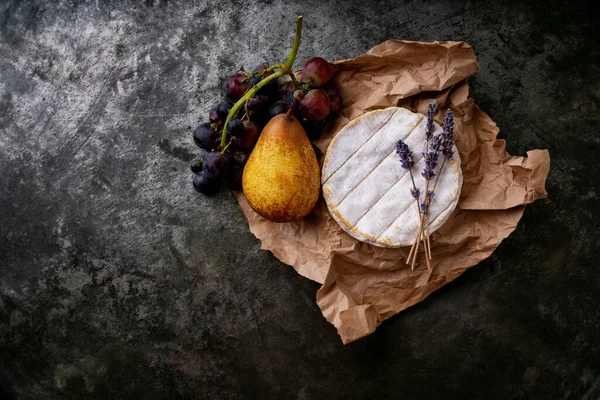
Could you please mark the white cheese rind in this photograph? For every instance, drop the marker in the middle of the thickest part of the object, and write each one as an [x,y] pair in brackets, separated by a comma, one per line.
[352,136]
[368,192]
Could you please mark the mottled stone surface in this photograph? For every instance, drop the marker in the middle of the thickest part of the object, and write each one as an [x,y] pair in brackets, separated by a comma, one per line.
[118,281]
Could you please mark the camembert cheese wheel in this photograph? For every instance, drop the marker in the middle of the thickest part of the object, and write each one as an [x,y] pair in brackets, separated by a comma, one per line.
[365,187]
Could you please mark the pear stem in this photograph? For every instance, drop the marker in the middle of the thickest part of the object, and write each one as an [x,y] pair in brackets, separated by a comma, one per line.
[284,69]
[290,111]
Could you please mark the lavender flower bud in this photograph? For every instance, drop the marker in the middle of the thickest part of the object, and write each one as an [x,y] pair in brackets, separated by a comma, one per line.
[431,110]
[424,207]
[408,162]
[430,158]
[429,128]
[448,122]
[430,165]
[416,193]
[401,148]
[430,195]
[406,158]
[448,152]
[436,143]
[428,174]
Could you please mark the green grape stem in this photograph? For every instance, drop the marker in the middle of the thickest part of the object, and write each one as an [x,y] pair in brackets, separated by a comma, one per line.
[295,46]
[271,68]
[294,80]
[283,70]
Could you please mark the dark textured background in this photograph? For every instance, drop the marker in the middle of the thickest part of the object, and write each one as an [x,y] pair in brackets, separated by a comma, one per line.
[117,280]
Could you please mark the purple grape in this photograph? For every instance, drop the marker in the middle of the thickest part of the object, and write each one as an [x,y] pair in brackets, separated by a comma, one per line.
[270,89]
[205,135]
[206,183]
[316,72]
[287,88]
[257,103]
[261,68]
[253,81]
[239,157]
[249,137]
[216,163]
[289,98]
[196,165]
[335,100]
[214,117]
[313,129]
[315,106]
[223,109]
[235,127]
[235,180]
[279,107]
[235,86]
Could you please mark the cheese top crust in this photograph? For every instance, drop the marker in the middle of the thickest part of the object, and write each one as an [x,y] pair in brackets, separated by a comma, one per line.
[365,187]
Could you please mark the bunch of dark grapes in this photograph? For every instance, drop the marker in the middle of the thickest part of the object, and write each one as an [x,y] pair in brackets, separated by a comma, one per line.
[313,104]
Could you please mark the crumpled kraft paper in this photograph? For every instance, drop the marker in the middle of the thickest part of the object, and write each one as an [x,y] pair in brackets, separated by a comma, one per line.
[363,285]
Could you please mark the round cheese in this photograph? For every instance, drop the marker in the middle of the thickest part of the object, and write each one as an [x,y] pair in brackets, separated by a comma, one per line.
[365,187]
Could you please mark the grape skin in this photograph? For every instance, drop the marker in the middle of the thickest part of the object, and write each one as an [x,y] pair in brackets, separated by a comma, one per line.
[315,106]
[223,109]
[205,135]
[235,86]
[234,127]
[335,100]
[217,164]
[205,183]
[196,165]
[279,107]
[249,137]
[316,72]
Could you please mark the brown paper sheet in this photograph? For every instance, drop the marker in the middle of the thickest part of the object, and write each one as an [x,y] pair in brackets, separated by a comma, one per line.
[363,285]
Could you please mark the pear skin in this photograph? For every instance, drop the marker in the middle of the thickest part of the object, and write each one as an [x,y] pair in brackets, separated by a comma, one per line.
[281,179]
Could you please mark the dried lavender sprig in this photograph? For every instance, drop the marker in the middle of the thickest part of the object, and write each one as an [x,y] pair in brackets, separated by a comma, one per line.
[443,143]
[430,157]
[447,143]
[406,159]
[439,143]
[431,154]
[407,162]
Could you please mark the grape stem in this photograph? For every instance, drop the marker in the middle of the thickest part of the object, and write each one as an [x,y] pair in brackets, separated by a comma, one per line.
[225,148]
[294,80]
[271,68]
[283,70]
[292,57]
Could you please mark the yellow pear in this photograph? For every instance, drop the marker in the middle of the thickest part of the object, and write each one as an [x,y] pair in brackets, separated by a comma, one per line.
[281,179]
